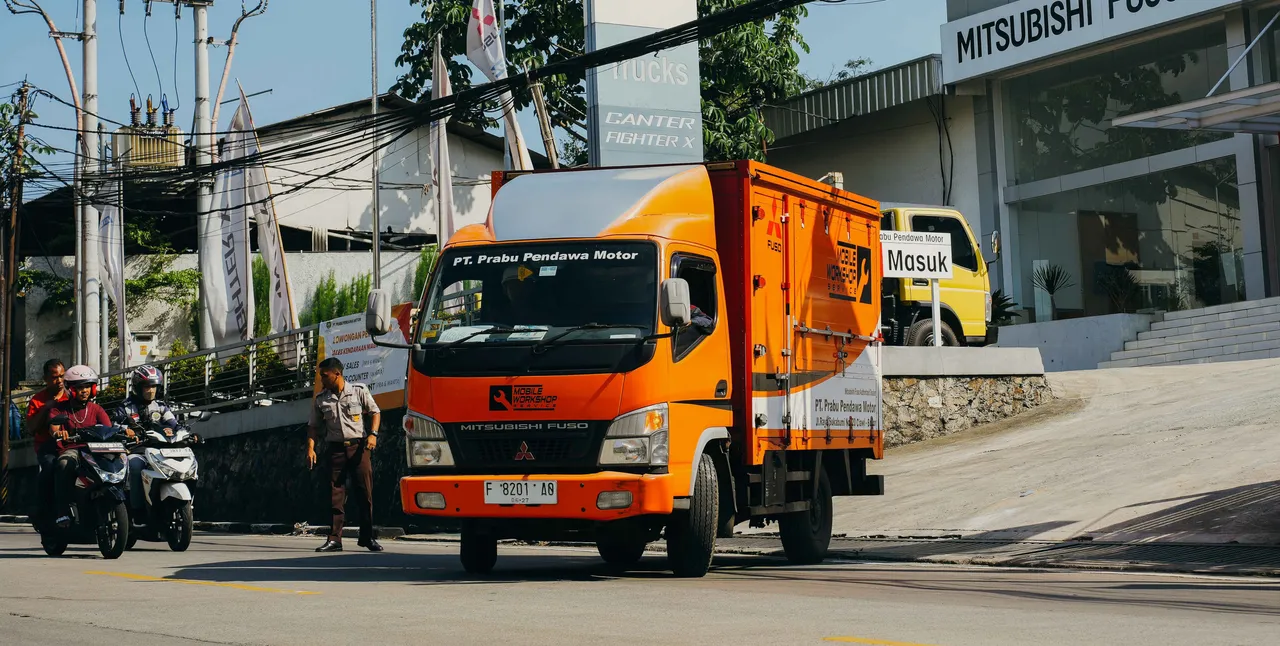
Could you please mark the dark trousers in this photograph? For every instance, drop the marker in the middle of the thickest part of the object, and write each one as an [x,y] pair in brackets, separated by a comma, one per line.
[65,480]
[46,457]
[351,462]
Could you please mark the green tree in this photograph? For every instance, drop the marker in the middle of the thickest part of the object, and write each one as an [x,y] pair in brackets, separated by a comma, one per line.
[742,70]
[852,68]
[329,301]
[426,260]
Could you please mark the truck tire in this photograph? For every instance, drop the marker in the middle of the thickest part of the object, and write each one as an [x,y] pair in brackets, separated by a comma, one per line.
[691,533]
[806,535]
[479,552]
[921,334]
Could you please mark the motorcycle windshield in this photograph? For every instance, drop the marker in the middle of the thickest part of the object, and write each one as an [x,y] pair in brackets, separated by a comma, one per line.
[100,432]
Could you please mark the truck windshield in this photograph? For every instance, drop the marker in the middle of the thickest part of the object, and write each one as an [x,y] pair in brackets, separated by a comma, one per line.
[542,294]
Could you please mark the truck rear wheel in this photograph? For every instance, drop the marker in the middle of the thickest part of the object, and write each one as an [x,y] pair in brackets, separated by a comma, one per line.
[921,333]
[691,533]
[479,552]
[806,535]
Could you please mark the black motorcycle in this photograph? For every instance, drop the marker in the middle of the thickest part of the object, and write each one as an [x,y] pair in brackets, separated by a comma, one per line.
[99,513]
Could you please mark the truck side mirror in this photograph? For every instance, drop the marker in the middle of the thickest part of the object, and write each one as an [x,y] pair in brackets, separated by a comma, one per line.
[995,243]
[676,309]
[377,315]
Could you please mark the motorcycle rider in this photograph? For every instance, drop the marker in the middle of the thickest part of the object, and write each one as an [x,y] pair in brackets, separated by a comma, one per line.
[76,413]
[142,405]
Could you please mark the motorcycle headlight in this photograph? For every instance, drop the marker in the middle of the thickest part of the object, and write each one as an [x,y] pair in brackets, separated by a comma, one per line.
[157,462]
[639,437]
[425,444]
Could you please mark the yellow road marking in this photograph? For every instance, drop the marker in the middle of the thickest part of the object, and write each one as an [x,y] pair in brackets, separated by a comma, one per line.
[234,586]
[871,642]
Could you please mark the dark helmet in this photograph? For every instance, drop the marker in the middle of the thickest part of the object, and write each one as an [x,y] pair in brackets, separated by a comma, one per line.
[146,376]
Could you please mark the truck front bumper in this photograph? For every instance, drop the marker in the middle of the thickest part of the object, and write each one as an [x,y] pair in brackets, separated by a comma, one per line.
[577,496]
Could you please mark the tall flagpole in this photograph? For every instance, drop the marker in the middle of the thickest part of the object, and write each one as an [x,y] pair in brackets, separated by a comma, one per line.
[502,36]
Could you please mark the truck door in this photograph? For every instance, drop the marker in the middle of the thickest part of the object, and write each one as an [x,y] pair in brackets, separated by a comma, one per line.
[966,292]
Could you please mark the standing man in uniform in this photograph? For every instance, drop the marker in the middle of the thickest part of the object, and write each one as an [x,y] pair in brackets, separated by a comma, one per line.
[337,419]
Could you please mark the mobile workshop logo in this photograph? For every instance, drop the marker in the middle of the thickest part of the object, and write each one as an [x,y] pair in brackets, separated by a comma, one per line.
[850,279]
[520,398]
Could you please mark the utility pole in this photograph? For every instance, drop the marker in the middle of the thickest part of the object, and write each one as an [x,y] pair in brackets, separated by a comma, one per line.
[6,305]
[373,120]
[104,338]
[204,151]
[89,260]
[544,124]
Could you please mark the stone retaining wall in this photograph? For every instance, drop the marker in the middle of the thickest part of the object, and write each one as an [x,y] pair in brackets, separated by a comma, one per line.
[921,409]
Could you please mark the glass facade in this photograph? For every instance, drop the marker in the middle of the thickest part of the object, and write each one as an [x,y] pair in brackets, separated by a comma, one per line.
[1169,240]
[1058,120]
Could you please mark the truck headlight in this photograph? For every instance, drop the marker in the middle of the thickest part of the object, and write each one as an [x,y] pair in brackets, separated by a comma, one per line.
[638,437]
[424,442]
[988,306]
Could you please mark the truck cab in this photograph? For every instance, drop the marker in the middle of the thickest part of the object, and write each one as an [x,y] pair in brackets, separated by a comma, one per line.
[966,296]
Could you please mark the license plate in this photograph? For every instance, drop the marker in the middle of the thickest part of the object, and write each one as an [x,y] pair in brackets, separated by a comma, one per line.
[176,453]
[106,447]
[519,492]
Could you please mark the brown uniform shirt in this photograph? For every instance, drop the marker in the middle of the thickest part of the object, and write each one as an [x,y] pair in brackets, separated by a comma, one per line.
[340,416]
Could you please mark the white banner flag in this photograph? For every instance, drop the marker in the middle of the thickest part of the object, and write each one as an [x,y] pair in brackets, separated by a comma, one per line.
[442,169]
[111,233]
[226,278]
[485,50]
[282,313]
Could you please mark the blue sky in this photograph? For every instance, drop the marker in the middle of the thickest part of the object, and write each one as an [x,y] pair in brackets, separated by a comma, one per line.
[312,58]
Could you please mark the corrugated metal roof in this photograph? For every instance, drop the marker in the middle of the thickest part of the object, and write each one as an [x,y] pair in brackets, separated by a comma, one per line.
[857,96]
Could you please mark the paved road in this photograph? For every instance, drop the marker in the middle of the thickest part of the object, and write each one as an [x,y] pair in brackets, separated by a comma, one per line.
[275,590]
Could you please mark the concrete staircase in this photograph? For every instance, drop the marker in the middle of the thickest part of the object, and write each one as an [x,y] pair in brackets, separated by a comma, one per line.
[1235,332]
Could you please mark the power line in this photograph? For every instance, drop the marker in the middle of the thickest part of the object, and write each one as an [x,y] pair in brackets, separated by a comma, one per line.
[123,50]
[146,35]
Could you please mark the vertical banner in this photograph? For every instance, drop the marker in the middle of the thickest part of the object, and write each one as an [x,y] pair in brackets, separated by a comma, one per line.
[441,167]
[486,51]
[284,316]
[228,280]
[647,110]
[111,233]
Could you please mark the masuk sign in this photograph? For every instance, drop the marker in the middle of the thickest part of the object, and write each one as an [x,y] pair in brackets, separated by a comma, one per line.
[646,110]
[919,255]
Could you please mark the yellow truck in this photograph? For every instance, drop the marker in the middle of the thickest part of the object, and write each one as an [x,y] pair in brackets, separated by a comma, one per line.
[906,311]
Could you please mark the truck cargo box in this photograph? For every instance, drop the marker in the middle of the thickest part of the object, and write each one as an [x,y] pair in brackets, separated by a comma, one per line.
[802,272]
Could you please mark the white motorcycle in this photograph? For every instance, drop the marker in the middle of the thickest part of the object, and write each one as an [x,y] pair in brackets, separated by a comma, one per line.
[170,466]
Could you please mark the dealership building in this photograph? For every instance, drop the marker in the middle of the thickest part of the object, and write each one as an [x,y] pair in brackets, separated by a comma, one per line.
[1127,146]
[1131,143]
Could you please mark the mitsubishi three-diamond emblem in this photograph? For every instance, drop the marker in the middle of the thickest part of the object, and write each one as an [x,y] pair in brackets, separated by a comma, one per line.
[523,453]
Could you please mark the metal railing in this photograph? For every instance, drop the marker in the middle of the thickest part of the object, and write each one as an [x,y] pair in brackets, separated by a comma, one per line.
[259,372]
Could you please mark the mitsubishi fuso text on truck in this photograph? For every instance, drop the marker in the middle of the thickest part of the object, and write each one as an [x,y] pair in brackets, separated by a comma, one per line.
[627,354]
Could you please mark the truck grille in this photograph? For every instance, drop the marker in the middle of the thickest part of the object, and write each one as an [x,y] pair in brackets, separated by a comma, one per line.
[536,450]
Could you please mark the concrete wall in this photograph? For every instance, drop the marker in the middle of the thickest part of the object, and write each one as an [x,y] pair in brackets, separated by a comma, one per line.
[893,155]
[49,335]
[406,167]
[1076,344]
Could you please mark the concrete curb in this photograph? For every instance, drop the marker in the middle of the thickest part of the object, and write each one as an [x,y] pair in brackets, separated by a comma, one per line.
[285,529]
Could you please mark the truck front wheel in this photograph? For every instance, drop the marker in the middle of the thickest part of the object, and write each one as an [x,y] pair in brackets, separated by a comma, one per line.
[621,551]
[806,535]
[921,333]
[691,533]
[479,552]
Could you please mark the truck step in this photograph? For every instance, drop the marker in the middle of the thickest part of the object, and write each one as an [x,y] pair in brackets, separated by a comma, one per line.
[792,476]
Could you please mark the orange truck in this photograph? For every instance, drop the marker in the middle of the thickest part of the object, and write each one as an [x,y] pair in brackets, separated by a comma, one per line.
[623,355]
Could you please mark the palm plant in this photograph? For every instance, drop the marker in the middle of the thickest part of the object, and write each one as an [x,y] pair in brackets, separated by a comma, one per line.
[1052,279]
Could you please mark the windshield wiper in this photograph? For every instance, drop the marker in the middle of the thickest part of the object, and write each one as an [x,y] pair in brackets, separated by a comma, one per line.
[541,345]
[497,327]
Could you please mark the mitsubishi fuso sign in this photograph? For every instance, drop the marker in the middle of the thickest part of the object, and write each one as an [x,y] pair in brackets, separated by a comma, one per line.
[909,254]
[1022,32]
[646,110]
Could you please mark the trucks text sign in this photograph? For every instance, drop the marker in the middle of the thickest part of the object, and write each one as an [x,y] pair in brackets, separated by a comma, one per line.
[647,110]
[915,254]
